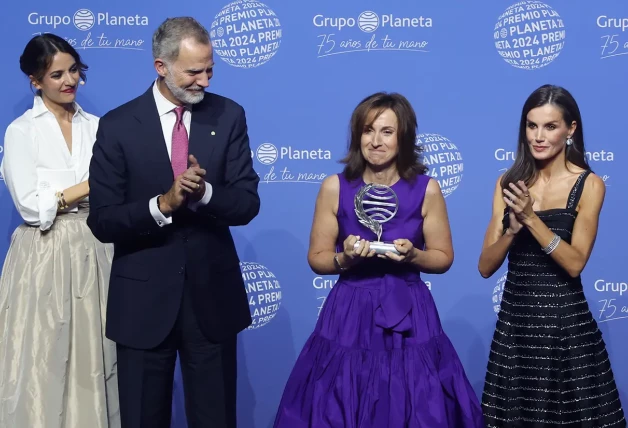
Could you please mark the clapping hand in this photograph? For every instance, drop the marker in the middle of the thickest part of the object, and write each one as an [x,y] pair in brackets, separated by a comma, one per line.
[193,180]
[515,226]
[520,202]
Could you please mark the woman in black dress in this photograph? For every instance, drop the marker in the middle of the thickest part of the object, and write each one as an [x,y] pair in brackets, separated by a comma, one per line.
[548,364]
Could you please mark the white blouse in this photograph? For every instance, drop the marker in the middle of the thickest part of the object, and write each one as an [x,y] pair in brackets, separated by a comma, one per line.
[37,162]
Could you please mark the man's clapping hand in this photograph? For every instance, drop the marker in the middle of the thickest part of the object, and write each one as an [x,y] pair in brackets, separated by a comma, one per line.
[194,180]
[190,184]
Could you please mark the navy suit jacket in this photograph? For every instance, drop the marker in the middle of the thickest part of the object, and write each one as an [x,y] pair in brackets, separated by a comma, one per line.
[129,166]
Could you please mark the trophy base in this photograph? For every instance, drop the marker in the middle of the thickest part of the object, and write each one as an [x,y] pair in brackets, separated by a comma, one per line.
[380,247]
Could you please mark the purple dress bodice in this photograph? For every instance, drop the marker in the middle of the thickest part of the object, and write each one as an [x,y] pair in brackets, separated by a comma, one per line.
[406,224]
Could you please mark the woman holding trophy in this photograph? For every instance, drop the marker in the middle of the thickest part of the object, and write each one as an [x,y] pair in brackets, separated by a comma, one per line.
[378,356]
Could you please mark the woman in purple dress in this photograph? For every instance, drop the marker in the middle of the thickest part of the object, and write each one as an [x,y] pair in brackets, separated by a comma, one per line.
[378,357]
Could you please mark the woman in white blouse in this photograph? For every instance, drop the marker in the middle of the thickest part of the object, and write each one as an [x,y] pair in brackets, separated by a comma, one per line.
[57,369]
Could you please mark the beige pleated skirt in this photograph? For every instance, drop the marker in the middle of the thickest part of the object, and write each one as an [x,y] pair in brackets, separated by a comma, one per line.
[57,368]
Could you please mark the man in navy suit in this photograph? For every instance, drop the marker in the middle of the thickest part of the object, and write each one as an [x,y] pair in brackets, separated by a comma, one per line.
[171,171]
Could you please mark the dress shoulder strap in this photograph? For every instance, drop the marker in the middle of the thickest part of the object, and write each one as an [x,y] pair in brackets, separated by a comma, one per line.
[576,190]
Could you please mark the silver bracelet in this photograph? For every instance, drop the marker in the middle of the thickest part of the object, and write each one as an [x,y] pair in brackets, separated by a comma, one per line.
[552,245]
[337,263]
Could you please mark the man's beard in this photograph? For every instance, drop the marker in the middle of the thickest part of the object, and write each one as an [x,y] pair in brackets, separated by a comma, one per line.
[183,95]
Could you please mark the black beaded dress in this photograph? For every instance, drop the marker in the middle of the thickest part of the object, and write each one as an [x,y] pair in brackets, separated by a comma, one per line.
[548,364]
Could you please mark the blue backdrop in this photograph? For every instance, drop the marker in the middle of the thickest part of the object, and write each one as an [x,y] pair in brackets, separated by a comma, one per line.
[299,68]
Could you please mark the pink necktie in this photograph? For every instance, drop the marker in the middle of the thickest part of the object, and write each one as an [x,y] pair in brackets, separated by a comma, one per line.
[179,157]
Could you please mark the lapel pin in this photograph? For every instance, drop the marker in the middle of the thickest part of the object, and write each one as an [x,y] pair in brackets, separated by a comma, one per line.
[213,132]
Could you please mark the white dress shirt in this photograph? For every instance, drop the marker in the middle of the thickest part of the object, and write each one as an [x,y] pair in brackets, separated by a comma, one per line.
[34,147]
[168,119]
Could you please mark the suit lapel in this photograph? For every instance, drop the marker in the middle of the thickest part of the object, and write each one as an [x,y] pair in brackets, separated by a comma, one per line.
[152,137]
[204,121]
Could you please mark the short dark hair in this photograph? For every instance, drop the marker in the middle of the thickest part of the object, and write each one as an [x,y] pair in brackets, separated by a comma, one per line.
[168,36]
[39,52]
[409,163]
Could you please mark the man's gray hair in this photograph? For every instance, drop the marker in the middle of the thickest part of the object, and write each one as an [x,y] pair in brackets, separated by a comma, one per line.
[172,31]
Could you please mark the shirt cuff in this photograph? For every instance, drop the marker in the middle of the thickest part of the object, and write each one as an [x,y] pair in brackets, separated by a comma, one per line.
[204,200]
[159,217]
[47,206]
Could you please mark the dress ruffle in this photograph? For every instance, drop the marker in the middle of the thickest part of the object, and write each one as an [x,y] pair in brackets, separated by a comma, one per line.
[352,372]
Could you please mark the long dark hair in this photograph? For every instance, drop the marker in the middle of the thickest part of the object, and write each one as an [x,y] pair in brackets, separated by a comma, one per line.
[40,51]
[408,158]
[524,168]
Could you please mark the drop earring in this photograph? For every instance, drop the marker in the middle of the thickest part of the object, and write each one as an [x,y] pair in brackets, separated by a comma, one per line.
[569,141]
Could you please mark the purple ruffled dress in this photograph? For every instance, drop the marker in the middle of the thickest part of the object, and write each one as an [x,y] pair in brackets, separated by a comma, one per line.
[378,357]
